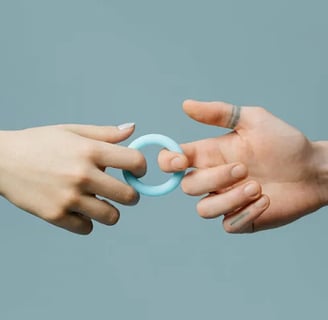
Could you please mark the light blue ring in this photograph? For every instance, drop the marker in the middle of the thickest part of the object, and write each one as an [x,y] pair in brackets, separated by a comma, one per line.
[169,185]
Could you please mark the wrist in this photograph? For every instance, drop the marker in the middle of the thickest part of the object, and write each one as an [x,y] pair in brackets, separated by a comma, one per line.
[4,141]
[320,165]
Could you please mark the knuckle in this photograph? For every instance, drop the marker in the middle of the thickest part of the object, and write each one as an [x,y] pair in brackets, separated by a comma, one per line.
[81,176]
[87,151]
[71,199]
[259,109]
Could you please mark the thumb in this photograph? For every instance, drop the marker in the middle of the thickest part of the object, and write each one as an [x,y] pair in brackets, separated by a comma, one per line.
[220,114]
[111,134]
[170,161]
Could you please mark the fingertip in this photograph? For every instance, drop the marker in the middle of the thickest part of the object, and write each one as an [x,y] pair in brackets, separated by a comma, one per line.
[163,160]
[88,229]
[179,163]
[85,228]
[131,197]
[202,209]
[74,222]
[126,126]
[172,161]
[263,202]
[125,130]
[113,214]
[137,199]
[239,171]
[114,218]
[246,220]
[187,104]
[140,164]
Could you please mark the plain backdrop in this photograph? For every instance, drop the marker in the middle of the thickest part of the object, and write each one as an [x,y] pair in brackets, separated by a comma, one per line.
[108,62]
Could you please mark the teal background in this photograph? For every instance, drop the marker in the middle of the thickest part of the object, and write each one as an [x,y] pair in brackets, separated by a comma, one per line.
[110,62]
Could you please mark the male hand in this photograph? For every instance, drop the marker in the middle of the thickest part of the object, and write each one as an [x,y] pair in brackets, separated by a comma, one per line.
[261,175]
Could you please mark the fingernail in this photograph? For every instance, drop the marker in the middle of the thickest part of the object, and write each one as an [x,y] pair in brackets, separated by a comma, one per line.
[125,126]
[238,171]
[262,202]
[177,163]
[251,190]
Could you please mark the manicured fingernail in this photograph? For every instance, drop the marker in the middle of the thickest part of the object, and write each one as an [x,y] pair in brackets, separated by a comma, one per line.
[238,171]
[261,203]
[125,126]
[251,190]
[177,163]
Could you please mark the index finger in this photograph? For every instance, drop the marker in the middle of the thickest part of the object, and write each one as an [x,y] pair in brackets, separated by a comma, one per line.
[119,157]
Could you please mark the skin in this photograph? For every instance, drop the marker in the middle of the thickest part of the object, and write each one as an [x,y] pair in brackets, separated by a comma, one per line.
[261,175]
[57,173]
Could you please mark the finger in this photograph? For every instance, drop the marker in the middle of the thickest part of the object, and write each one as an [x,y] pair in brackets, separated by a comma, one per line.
[108,187]
[97,209]
[241,222]
[119,157]
[198,154]
[220,114]
[278,218]
[202,181]
[73,222]
[215,205]
[170,161]
[102,133]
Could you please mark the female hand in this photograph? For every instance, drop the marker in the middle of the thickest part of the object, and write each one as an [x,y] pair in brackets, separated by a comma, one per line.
[57,173]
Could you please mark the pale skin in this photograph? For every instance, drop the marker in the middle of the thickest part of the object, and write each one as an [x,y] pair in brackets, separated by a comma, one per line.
[57,173]
[262,174]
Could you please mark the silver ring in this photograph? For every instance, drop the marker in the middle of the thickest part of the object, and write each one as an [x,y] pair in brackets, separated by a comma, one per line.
[235,116]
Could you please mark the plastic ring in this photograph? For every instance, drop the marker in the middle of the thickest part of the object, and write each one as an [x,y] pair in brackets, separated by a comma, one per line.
[169,185]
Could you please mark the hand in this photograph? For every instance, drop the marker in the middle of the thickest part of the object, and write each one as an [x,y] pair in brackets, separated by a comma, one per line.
[263,174]
[57,172]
